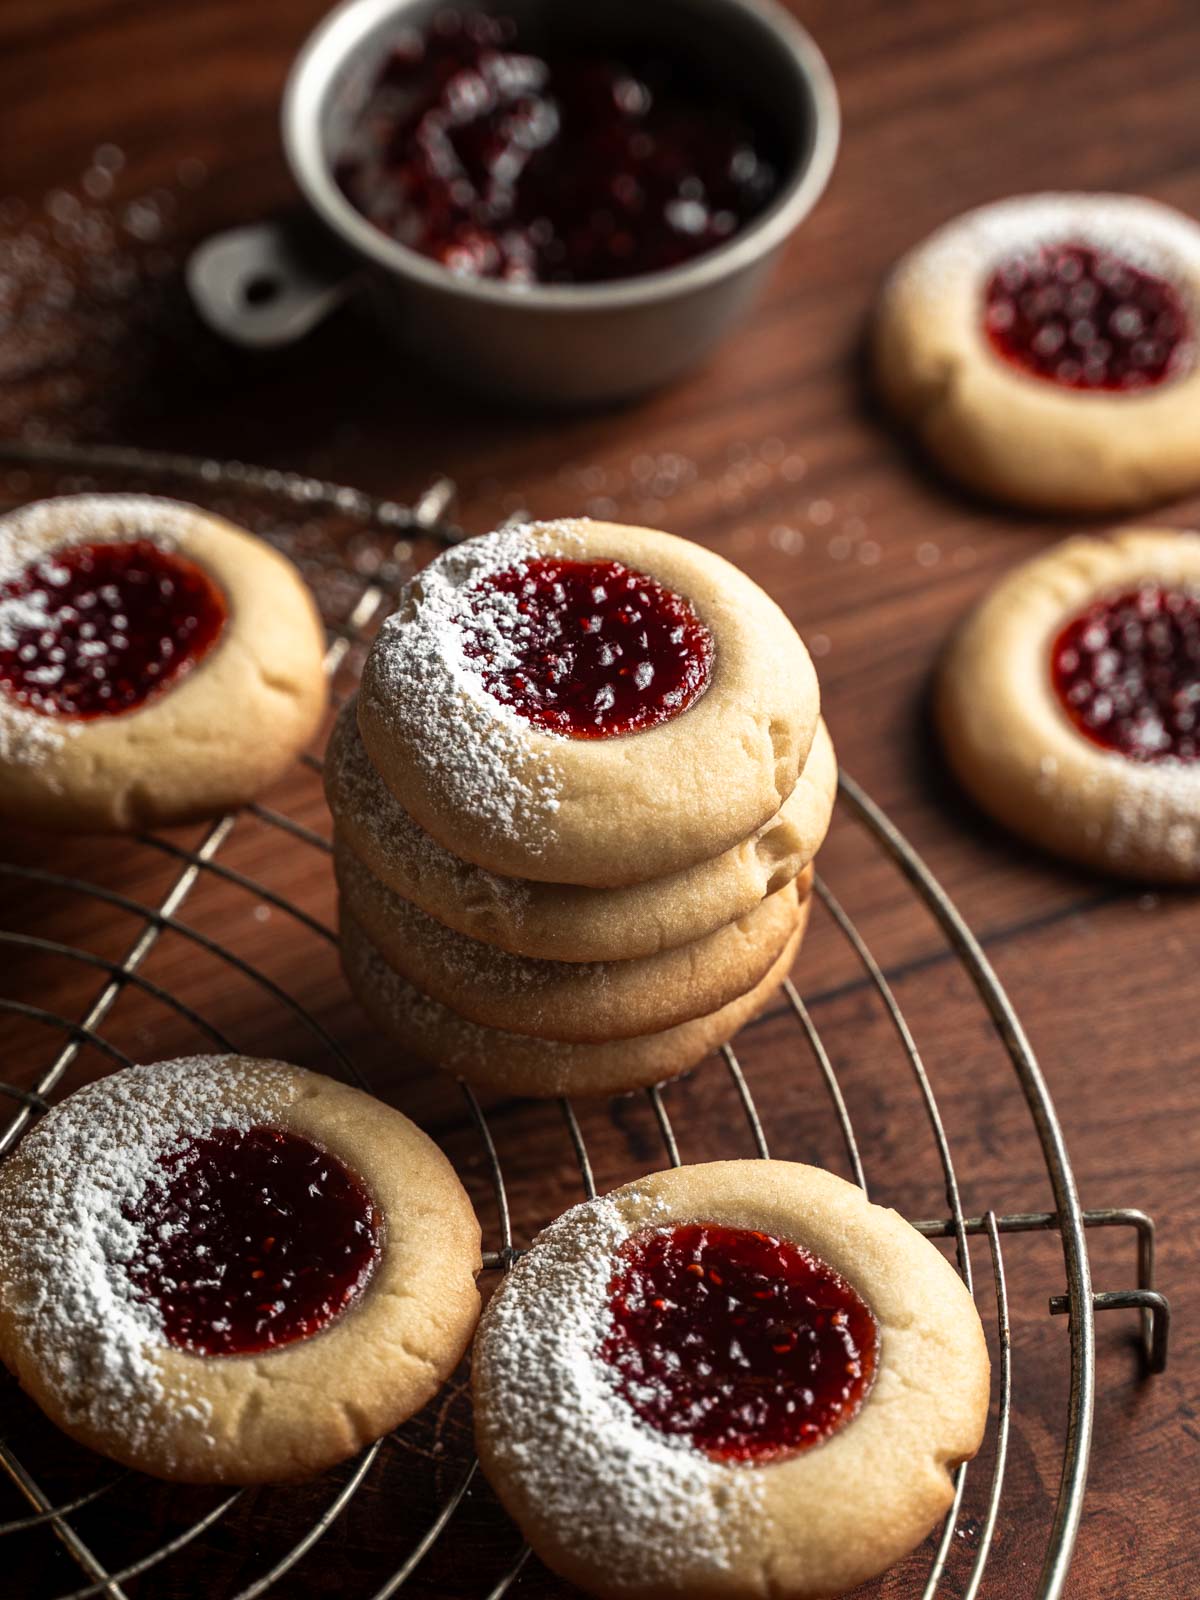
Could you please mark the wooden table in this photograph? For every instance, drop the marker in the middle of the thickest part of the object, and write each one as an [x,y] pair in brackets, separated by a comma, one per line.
[161,122]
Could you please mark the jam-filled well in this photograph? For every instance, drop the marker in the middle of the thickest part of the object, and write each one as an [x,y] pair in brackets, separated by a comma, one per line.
[1086,318]
[251,1238]
[93,630]
[1127,671]
[587,649]
[746,1345]
[502,153]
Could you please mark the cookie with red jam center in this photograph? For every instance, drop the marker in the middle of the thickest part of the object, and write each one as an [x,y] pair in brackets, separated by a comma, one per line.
[1046,350]
[130,627]
[1069,703]
[222,1270]
[589,704]
[728,1369]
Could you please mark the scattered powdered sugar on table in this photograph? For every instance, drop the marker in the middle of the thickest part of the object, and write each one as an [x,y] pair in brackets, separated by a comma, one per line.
[90,301]
[366,810]
[69,1306]
[481,754]
[640,1507]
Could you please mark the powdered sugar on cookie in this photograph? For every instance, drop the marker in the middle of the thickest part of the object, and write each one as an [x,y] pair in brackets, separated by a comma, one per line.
[65,1238]
[1156,807]
[477,749]
[642,1507]
[26,737]
[401,852]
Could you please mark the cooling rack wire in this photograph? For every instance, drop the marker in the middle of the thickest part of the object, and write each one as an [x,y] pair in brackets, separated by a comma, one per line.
[429,518]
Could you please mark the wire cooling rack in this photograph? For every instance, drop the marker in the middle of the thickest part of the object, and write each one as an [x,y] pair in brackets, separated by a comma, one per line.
[250,1543]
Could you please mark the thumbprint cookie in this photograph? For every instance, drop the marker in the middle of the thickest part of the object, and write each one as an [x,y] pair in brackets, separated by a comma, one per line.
[222,1270]
[728,1380]
[586,1002]
[568,922]
[1069,703]
[517,1063]
[582,703]
[156,663]
[1046,350]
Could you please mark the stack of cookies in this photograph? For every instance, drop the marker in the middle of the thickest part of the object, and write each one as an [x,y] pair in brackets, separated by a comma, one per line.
[576,802]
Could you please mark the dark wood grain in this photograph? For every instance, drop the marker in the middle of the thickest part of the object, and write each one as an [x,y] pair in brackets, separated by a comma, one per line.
[774,456]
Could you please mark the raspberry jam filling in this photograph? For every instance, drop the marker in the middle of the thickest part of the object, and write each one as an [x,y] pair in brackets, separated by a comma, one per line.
[588,649]
[747,1346]
[251,1239]
[1086,318]
[534,161]
[1127,671]
[93,630]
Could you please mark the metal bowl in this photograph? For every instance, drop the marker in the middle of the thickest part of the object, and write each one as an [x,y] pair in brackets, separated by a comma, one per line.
[571,343]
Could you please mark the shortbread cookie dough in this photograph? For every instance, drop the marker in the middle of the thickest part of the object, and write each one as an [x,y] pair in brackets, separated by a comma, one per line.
[1045,350]
[578,702]
[728,1381]
[513,1063]
[157,664]
[221,1270]
[565,922]
[1069,703]
[588,1002]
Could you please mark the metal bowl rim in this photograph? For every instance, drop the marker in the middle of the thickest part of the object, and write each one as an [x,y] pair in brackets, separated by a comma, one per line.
[336,36]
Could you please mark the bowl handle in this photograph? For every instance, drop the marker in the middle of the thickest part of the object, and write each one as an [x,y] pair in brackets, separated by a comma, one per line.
[268,284]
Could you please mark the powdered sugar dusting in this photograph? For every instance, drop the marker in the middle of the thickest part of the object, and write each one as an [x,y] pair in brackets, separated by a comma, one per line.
[27,738]
[643,1508]
[400,850]
[64,1241]
[1156,811]
[479,753]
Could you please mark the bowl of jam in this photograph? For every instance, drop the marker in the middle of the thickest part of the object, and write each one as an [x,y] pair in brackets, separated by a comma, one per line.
[548,200]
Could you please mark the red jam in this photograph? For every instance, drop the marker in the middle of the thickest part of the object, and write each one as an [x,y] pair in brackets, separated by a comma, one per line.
[93,630]
[252,1239]
[746,1345]
[1127,671]
[1086,318]
[588,649]
[537,162]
